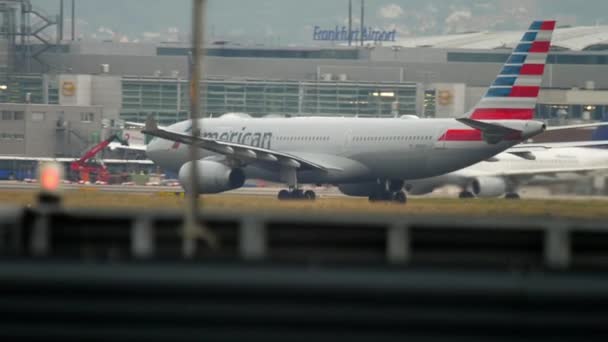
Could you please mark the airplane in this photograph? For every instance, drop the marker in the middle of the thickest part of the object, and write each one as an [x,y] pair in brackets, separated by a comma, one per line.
[504,173]
[369,156]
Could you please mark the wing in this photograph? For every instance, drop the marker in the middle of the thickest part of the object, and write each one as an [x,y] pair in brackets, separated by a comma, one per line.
[134,147]
[526,150]
[551,171]
[595,124]
[238,151]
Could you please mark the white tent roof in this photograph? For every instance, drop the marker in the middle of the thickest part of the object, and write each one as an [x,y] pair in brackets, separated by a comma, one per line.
[572,38]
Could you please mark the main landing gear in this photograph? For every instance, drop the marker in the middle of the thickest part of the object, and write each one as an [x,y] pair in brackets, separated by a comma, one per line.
[289,176]
[296,194]
[389,191]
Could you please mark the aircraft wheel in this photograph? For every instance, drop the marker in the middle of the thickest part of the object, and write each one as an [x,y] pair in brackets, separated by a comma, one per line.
[310,195]
[512,195]
[386,196]
[465,195]
[400,197]
[297,194]
[283,195]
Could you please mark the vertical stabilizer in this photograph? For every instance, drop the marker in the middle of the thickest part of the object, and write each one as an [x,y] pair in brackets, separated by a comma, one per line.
[514,92]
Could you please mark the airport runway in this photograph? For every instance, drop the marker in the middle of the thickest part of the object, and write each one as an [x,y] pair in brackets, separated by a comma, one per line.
[531,192]
[245,191]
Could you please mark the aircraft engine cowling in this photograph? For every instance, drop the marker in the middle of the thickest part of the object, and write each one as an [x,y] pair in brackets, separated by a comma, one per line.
[489,186]
[362,189]
[213,177]
[422,187]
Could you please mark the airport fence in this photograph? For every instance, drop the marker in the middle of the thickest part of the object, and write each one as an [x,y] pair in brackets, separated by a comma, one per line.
[544,243]
[119,275]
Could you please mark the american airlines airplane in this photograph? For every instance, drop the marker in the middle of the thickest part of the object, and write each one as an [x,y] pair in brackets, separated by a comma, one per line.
[363,156]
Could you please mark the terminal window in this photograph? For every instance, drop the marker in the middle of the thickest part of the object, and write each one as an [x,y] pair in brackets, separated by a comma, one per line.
[37,116]
[87,117]
[10,115]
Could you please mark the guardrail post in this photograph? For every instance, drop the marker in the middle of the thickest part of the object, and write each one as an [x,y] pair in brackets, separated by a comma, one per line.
[557,247]
[398,243]
[40,238]
[142,237]
[252,239]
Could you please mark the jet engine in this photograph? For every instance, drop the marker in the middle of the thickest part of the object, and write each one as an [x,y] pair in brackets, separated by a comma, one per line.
[213,177]
[421,187]
[489,186]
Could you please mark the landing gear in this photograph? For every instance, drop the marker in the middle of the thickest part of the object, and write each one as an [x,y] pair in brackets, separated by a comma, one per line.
[400,197]
[389,192]
[296,194]
[465,194]
[289,175]
[310,195]
[512,196]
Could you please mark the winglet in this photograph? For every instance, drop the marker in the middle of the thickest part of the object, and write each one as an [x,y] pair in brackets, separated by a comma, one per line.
[151,124]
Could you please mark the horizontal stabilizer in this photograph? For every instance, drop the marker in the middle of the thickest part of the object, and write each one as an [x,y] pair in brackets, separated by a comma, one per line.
[491,133]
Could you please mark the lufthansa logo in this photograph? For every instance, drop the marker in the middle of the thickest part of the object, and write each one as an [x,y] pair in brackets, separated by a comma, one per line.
[68,88]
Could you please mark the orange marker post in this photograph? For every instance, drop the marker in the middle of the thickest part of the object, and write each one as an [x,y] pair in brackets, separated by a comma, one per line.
[50,175]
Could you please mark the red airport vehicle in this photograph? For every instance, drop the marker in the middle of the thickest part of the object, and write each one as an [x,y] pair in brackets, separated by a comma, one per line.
[86,168]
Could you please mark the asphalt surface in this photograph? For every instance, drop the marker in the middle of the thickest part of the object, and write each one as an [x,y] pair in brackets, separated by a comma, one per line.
[271,191]
[250,191]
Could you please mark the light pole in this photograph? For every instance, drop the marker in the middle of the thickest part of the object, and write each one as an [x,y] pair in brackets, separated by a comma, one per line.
[192,230]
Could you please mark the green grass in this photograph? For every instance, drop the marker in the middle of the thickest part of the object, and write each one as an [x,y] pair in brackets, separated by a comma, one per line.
[89,198]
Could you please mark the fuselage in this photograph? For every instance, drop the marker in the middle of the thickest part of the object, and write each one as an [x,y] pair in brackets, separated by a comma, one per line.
[361,149]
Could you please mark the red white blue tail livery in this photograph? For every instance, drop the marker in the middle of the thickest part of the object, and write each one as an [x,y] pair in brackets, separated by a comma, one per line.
[513,95]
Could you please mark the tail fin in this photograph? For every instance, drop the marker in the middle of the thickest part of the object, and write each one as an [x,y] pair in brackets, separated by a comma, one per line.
[601,133]
[514,92]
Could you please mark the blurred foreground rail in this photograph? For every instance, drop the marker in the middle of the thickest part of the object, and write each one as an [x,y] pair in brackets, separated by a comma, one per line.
[86,274]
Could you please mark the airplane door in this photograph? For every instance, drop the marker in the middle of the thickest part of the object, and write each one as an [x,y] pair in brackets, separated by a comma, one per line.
[348,138]
[439,142]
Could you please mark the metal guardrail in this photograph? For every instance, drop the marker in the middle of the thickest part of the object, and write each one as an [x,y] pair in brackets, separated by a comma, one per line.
[90,275]
[512,243]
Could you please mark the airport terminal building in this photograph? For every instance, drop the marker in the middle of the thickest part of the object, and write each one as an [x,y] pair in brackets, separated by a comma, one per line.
[431,77]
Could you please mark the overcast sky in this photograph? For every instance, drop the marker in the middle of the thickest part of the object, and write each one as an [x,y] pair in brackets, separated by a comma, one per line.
[291,21]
